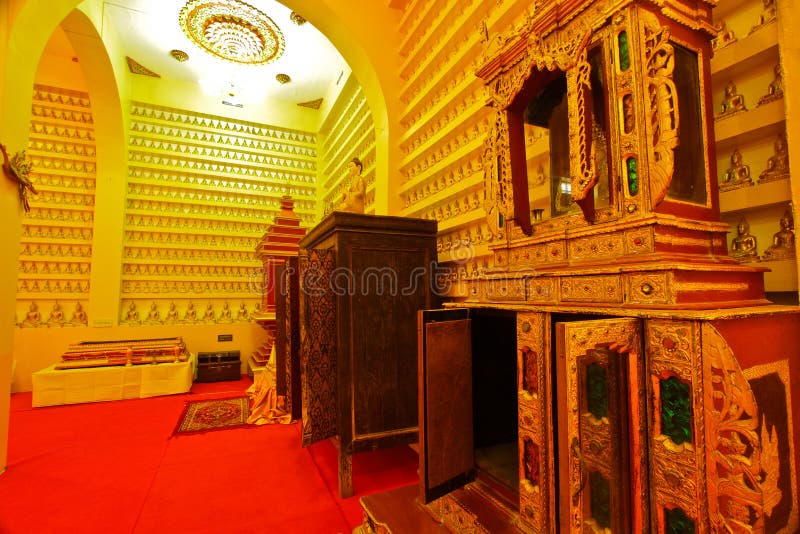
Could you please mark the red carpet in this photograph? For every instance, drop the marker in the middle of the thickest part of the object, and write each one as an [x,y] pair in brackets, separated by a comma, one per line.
[113,468]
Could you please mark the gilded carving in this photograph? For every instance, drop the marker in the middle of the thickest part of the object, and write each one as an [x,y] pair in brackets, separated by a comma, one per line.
[639,241]
[744,461]
[497,177]
[602,246]
[534,417]
[649,288]
[662,106]
[678,469]
[585,342]
[454,515]
[582,161]
[542,289]
[591,289]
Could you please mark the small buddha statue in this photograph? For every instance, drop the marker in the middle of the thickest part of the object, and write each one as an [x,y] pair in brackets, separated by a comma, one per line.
[353,195]
[225,314]
[172,314]
[732,103]
[768,15]
[777,164]
[744,245]
[783,241]
[724,36]
[191,314]
[132,316]
[737,175]
[775,89]
[56,317]
[33,318]
[153,316]
[208,315]
[79,316]
[243,314]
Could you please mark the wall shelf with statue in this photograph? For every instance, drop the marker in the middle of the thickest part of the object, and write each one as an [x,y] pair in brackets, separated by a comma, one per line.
[759,195]
[454,190]
[453,160]
[444,60]
[354,134]
[457,91]
[436,12]
[455,128]
[421,21]
[782,274]
[745,53]
[751,125]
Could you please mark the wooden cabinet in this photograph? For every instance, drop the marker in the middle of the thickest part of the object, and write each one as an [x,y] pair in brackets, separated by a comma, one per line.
[362,280]
[632,423]
[636,422]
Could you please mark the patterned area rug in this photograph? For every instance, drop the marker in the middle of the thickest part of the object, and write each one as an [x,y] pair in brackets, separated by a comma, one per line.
[217,414]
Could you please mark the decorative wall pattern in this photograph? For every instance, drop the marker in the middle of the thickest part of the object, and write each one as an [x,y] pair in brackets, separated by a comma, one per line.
[56,243]
[445,123]
[201,192]
[349,133]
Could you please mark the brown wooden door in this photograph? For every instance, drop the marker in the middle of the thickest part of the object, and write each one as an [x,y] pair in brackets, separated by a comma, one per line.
[445,401]
[600,451]
[318,346]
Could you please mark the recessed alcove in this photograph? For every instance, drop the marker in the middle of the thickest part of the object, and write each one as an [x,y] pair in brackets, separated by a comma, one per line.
[494,398]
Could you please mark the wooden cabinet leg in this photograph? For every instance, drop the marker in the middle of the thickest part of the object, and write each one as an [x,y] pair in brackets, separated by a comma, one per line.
[345,474]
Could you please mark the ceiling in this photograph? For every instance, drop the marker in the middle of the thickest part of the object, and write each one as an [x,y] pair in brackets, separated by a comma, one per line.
[149,29]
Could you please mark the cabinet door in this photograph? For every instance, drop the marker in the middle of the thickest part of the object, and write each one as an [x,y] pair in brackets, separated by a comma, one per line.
[318,351]
[287,337]
[445,404]
[599,374]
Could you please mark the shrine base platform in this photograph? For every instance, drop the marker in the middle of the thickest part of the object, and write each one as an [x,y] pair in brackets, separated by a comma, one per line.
[53,387]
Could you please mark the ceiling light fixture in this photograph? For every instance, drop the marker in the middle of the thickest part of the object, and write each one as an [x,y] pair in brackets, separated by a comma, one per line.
[179,55]
[232,30]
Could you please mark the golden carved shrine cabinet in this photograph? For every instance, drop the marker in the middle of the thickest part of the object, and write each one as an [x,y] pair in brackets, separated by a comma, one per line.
[647,423]
[362,280]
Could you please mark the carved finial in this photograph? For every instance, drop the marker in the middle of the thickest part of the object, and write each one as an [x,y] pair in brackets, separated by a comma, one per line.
[17,168]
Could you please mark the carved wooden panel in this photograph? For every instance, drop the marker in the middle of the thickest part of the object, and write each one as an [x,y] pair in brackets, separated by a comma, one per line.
[743,452]
[600,436]
[287,338]
[542,290]
[537,501]
[591,289]
[676,424]
[649,288]
[318,346]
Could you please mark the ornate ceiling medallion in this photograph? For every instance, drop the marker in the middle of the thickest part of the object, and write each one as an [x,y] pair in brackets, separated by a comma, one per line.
[232,30]
[283,78]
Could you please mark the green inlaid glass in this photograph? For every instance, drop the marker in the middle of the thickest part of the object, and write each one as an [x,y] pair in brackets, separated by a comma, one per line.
[597,390]
[600,501]
[633,177]
[676,410]
[676,522]
[624,53]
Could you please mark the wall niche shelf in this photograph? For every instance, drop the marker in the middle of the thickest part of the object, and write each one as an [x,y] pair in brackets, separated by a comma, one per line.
[742,55]
[762,121]
[755,196]
[749,63]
